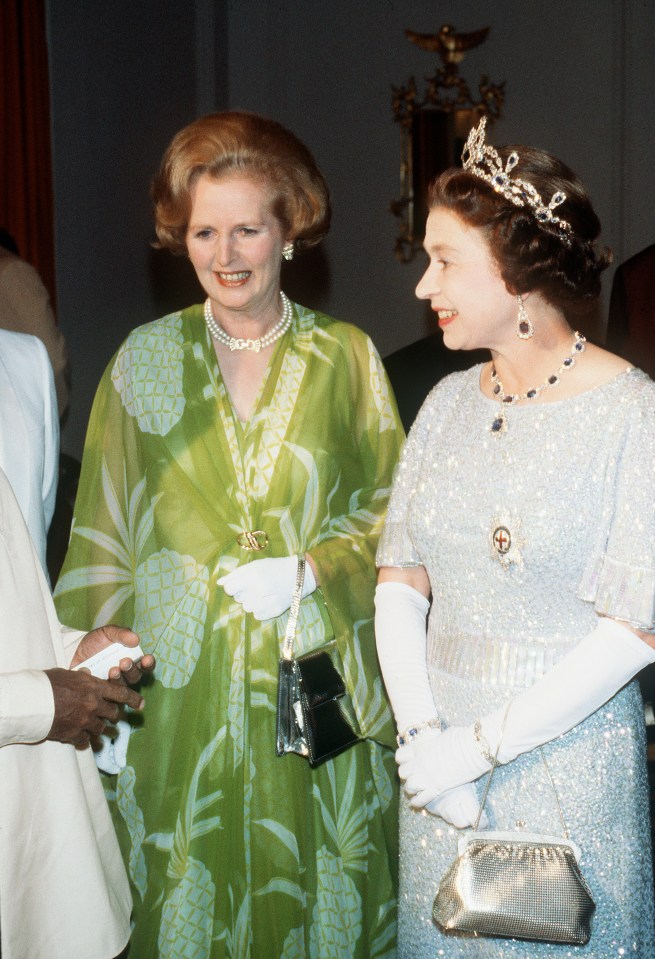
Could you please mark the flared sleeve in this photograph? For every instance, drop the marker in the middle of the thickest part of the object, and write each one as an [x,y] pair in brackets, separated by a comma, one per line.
[396,547]
[344,551]
[619,578]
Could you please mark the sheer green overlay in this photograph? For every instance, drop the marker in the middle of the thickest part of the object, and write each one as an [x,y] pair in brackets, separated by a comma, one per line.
[231,850]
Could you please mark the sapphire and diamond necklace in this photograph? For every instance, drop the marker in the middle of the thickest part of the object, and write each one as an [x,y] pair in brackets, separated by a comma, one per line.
[499,424]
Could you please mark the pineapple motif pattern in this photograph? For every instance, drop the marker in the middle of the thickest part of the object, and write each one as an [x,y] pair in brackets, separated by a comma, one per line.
[188,911]
[169,614]
[148,375]
[337,914]
[133,818]
[186,925]
[232,851]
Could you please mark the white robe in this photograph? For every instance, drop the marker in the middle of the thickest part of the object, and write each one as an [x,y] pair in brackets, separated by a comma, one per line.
[64,893]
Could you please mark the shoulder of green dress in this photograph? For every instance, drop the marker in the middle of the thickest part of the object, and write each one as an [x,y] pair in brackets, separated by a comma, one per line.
[163,322]
[174,327]
[340,331]
[152,344]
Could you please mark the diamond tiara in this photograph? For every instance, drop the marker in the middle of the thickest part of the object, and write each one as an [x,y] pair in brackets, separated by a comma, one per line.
[483,161]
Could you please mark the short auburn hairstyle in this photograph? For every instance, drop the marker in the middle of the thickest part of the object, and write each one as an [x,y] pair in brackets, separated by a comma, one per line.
[532,256]
[241,143]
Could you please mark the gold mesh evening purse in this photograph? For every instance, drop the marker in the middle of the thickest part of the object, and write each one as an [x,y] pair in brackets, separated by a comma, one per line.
[516,885]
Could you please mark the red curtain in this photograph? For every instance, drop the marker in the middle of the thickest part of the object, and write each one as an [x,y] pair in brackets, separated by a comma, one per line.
[26,206]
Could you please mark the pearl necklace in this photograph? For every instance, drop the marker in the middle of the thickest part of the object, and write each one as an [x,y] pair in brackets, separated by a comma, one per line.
[499,424]
[236,343]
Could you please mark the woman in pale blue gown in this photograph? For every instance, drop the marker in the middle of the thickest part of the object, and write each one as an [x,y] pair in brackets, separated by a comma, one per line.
[524,507]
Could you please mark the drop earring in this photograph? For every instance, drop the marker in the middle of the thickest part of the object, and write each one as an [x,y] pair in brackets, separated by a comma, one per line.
[287,251]
[524,327]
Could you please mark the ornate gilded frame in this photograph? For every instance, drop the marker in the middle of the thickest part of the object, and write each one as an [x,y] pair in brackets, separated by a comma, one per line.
[433,129]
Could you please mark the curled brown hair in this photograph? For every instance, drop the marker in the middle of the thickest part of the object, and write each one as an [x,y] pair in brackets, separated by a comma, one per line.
[532,256]
[242,143]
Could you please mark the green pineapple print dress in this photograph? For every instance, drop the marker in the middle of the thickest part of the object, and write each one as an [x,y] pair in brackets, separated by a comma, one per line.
[233,851]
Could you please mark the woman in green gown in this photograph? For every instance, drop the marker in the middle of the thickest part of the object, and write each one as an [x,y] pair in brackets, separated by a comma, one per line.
[245,422]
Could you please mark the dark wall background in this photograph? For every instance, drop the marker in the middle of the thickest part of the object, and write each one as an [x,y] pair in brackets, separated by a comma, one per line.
[125,76]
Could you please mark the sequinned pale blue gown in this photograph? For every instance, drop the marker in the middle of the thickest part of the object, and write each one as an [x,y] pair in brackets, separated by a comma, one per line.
[571,487]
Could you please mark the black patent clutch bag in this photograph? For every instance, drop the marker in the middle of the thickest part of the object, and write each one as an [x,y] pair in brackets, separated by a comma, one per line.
[315,716]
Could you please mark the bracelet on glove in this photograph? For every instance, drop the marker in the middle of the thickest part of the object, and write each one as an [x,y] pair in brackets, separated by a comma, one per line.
[483,745]
[413,731]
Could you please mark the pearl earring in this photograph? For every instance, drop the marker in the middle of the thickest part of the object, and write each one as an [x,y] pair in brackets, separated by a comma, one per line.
[287,251]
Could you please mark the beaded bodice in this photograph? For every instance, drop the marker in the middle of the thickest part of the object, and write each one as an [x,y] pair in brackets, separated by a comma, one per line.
[524,535]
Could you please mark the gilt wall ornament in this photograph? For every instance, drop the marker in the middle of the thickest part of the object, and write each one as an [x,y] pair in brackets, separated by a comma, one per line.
[434,125]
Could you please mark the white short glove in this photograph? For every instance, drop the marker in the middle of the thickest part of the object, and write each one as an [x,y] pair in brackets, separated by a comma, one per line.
[265,587]
[112,755]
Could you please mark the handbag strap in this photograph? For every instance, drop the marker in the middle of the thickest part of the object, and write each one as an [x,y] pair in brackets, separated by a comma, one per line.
[294,609]
[493,769]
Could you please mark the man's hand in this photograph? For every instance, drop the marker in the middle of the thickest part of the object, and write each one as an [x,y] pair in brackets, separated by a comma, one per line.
[98,639]
[85,705]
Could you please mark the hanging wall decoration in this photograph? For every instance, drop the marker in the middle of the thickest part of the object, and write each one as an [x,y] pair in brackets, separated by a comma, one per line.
[434,126]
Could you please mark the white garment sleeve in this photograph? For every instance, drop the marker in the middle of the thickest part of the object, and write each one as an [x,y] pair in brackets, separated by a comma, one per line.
[29,311]
[27,707]
[51,453]
[71,639]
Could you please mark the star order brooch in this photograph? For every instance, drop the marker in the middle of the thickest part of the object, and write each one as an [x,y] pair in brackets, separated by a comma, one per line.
[506,541]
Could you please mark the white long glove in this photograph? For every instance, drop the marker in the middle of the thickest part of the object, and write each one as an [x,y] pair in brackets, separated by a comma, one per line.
[601,664]
[400,615]
[265,586]
[400,633]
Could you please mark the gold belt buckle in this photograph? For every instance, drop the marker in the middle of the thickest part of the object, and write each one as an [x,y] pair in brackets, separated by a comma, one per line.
[255,539]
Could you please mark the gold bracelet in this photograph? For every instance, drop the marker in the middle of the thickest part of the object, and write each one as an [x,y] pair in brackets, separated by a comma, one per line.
[413,731]
[483,745]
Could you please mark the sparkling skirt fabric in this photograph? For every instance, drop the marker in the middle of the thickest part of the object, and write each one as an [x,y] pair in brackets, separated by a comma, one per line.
[570,487]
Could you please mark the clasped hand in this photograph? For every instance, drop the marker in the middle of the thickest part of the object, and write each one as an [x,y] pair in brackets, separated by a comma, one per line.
[438,770]
[265,587]
[84,704]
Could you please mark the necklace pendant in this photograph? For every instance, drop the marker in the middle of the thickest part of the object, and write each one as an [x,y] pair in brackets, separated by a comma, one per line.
[238,344]
[499,425]
[252,539]
[217,332]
